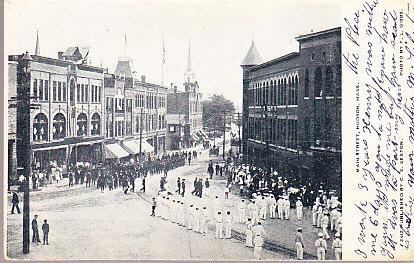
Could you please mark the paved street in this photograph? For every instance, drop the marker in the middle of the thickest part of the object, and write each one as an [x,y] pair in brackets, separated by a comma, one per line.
[83,220]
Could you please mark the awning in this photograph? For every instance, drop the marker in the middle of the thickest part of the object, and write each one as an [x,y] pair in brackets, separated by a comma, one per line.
[114,151]
[203,134]
[194,136]
[147,147]
[132,146]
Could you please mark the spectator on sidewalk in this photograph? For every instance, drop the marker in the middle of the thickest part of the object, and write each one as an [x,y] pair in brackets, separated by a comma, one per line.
[15,202]
[210,169]
[143,185]
[154,205]
[207,186]
[217,169]
[178,186]
[182,187]
[195,184]
[35,230]
[299,244]
[45,228]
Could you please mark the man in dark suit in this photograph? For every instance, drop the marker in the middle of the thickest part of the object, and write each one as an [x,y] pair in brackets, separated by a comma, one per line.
[35,229]
[45,228]
[183,187]
[15,202]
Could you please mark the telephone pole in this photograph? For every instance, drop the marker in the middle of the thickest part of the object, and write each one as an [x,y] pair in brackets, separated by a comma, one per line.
[23,140]
[224,135]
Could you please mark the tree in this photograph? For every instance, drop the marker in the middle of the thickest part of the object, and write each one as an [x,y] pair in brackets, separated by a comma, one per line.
[213,109]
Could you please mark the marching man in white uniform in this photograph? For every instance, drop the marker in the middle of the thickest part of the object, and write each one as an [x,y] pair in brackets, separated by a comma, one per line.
[272,206]
[337,246]
[321,247]
[263,208]
[280,204]
[242,211]
[258,233]
[219,225]
[287,207]
[249,233]
[228,224]
[299,209]
[204,220]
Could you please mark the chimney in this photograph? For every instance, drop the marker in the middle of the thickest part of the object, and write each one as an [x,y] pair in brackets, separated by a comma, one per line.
[143,78]
[60,55]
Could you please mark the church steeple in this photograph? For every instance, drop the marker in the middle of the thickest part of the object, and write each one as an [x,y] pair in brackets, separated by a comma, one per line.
[253,57]
[37,49]
[189,74]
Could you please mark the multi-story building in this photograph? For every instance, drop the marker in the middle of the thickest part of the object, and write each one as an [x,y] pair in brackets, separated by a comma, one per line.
[292,109]
[135,113]
[66,122]
[188,104]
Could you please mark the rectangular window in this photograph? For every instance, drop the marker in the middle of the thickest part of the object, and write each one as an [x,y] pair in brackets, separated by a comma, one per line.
[35,89]
[54,91]
[78,93]
[59,91]
[41,89]
[86,93]
[64,90]
[46,90]
[318,82]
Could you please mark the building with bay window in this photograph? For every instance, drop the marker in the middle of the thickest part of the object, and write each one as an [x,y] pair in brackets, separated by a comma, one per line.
[292,109]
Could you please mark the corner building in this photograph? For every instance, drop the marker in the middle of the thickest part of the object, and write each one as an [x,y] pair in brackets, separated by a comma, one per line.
[292,110]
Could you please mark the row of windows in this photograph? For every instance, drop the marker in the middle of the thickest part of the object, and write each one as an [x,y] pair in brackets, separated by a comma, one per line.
[41,126]
[284,132]
[279,92]
[281,132]
[59,91]
[324,82]
[96,92]
[40,90]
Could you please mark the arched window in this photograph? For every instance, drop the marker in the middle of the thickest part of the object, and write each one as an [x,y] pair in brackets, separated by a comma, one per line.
[295,90]
[306,83]
[289,90]
[329,81]
[59,126]
[82,123]
[40,128]
[96,124]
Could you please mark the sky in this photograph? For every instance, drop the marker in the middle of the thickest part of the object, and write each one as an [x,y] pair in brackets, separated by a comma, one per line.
[219,32]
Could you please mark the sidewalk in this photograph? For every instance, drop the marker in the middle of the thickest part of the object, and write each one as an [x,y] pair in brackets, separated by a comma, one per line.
[280,233]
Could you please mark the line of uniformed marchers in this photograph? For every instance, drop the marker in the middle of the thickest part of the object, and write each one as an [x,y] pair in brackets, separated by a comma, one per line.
[292,110]
[85,114]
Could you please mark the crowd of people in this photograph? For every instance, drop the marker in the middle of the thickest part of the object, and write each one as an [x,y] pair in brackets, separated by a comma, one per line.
[274,196]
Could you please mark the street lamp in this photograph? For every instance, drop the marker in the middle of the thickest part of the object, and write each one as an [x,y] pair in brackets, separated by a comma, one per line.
[23,139]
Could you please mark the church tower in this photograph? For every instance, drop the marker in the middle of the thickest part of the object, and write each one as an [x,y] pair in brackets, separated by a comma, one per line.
[189,76]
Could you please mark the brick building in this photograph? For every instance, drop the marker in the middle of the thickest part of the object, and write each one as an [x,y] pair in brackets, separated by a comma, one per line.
[66,125]
[134,108]
[185,106]
[292,109]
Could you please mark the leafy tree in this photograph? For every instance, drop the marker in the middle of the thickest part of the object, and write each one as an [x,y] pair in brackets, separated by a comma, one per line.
[213,112]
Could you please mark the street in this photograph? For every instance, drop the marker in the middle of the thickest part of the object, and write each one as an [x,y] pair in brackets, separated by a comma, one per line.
[87,224]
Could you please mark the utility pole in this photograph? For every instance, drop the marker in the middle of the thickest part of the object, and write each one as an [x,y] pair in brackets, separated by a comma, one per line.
[239,124]
[224,135]
[23,140]
[140,135]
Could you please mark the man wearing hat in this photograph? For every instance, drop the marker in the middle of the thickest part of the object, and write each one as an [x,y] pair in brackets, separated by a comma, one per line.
[286,207]
[299,244]
[321,247]
[219,225]
[299,209]
[337,246]
[320,216]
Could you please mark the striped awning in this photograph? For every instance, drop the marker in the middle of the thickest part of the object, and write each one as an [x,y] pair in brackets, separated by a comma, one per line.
[147,147]
[132,146]
[114,151]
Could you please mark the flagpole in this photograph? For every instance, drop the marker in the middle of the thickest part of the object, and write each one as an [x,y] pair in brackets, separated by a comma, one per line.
[163,60]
